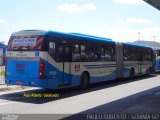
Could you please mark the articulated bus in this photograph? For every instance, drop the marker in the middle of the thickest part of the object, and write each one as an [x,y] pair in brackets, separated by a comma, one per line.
[157,60]
[55,60]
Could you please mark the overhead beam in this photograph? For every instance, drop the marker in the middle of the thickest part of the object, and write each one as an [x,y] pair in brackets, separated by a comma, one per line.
[154,3]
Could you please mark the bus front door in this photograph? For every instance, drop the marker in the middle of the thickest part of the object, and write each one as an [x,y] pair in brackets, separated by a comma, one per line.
[65,56]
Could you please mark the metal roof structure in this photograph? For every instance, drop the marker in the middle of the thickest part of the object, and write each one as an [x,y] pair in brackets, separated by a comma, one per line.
[154,3]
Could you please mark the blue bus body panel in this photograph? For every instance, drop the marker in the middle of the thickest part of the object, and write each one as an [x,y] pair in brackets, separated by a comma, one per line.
[3,48]
[26,72]
[28,75]
[22,68]
[111,76]
[126,72]
[157,60]
[157,67]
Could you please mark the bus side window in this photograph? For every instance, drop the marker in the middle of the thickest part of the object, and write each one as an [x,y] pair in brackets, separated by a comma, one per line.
[144,55]
[52,49]
[150,58]
[90,52]
[137,54]
[132,52]
[113,53]
[108,53]
[124,54]
[84,56]
[127,54]
[76,53]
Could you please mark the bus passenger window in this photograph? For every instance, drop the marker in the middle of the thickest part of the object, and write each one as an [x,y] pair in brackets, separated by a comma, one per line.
[67,50]
[76,53]
[84,56]
[52,45]
[150,58]
[113,53]
[96,53]
[133,54]
[60,50]
[59,54]
[90,52]
[127,54]
[144,55]
[52,49]
[107,53]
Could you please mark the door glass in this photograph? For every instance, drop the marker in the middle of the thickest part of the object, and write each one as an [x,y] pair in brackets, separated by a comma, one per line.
[60,53]
[67,56]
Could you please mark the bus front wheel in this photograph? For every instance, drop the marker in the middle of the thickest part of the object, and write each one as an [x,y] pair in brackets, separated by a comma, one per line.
[84,81]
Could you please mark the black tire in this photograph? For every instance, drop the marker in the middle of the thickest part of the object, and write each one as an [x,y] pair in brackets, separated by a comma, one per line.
[132,74]
[84,81]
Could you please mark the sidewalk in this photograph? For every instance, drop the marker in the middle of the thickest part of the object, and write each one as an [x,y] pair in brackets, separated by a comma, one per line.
[9,88]
[4,88]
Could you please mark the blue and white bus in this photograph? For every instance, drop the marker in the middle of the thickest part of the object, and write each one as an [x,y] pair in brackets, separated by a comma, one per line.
[157,60]
[3,48]
[55,60]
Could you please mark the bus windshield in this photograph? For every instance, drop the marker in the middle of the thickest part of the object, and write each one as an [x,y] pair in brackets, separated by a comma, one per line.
[25,43]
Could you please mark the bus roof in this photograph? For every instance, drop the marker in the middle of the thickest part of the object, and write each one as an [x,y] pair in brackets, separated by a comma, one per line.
[55,33]
[136,45]
[90,36]
[29,33]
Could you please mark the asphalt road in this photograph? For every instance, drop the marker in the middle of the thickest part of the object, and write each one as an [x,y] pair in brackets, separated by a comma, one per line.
[141,95]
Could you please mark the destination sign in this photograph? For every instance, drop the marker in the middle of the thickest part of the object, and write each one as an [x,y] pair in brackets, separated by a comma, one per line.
[24,42]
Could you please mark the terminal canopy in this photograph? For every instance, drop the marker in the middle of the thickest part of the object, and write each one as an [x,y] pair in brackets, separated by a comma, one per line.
[154,3]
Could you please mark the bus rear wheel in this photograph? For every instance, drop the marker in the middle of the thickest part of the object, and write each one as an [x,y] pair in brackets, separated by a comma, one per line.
[84,81]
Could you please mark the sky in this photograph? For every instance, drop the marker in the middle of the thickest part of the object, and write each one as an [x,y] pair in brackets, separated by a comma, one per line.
[120,20]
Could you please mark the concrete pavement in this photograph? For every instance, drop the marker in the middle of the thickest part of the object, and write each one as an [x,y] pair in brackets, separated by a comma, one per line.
[129,96]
